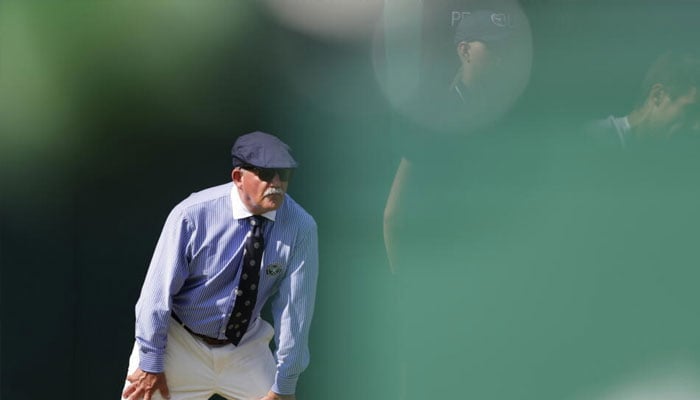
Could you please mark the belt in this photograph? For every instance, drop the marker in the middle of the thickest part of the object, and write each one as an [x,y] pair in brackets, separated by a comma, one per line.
[206,339]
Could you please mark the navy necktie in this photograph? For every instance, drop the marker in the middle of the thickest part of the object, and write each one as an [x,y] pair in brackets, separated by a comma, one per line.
[247,291]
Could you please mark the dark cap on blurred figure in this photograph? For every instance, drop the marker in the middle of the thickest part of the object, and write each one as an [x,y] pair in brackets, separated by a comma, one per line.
[486,26]
[262,150]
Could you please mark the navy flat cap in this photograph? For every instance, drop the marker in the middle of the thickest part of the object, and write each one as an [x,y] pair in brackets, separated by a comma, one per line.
[262,150]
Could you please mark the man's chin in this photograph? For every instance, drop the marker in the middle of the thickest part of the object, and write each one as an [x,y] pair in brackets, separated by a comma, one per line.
[273,201]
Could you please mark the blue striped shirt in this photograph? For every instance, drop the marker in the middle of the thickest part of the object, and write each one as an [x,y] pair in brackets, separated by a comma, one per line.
[195,270]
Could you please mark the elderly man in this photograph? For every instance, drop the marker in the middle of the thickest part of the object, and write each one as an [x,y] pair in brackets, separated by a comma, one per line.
[223,253]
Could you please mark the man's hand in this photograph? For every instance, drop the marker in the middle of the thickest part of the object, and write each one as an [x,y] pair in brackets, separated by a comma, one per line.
[144,384]
[274,396]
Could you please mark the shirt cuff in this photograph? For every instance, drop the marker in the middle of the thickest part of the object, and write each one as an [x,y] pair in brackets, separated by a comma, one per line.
[284,385]
[151,362]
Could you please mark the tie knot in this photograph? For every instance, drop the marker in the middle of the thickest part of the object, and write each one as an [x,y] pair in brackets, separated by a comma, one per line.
[256,221]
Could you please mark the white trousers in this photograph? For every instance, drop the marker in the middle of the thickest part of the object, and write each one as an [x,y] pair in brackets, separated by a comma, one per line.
[195,370]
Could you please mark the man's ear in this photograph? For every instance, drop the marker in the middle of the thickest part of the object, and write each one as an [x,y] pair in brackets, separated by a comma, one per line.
[463,51]
[236,176]
[657,94]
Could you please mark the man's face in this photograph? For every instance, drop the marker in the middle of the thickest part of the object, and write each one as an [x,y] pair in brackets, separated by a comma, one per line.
[476,61]
[259,192]
[489,85]
[672,115]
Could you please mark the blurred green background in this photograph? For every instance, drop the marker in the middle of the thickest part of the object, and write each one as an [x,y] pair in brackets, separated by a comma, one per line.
[574,271]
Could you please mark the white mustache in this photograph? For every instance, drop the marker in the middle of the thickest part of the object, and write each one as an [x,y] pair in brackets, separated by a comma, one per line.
[273,190]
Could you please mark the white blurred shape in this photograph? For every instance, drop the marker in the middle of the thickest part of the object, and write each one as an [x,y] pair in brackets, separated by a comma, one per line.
[335,20]
[673,381]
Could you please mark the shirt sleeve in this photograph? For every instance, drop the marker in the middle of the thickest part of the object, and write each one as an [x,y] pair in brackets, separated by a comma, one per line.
[292,311]
[166,275]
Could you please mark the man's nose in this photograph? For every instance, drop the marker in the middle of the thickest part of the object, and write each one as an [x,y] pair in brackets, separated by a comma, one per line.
[276,181]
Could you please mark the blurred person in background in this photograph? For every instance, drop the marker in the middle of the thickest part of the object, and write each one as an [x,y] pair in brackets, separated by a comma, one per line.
[493,50]
[198,317]
[554,274]
[490,49]
[668,103]
[455,143]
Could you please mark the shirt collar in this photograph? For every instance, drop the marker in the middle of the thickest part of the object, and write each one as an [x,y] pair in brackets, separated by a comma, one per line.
[624,124]
[239,209]
[622,127]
